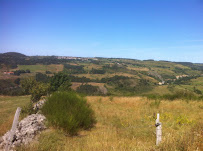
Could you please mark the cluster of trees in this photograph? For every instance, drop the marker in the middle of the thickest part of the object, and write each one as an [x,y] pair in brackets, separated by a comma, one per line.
[80,79]
[9,87]
[168,76]
[18,72]
[13,59]
[88,89]
[48,72]
[113,80]
[128,84]
[97,71]
[40,77]
[179,70]
[197,91]
[59,82]
[192,65]
[74,69]
[159,66]
[184,80]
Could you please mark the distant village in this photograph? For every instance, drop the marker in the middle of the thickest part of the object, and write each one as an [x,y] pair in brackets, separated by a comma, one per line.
[75,58]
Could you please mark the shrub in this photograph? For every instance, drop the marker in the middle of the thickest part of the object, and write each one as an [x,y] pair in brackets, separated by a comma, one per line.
[68,111]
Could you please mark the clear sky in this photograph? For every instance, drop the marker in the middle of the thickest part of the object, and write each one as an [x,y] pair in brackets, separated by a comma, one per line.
[143,29]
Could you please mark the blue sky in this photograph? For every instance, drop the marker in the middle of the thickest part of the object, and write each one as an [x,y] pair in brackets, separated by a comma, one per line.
[143,29]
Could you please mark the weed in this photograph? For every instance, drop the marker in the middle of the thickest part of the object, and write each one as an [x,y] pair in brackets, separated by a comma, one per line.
[181,120]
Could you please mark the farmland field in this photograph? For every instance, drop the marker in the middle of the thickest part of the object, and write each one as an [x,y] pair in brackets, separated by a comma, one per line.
[41,68]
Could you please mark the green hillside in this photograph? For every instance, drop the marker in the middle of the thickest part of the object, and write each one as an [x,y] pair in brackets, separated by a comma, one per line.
[120,76]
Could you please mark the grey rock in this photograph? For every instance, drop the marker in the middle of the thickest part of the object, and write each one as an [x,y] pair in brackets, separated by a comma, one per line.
[39,104]
[26,130]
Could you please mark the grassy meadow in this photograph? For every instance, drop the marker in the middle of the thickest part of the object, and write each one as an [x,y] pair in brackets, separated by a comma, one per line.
[128,123]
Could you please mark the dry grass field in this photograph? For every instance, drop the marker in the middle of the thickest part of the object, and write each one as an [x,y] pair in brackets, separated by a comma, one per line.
[127,123]
[8,106]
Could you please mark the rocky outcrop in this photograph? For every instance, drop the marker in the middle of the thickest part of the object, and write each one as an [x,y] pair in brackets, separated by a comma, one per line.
[26,130]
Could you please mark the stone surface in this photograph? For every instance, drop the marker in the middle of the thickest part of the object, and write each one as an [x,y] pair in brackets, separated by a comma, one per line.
[26,130]
[39,104]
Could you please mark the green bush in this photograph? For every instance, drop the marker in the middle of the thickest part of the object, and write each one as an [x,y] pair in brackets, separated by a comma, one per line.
[68,111]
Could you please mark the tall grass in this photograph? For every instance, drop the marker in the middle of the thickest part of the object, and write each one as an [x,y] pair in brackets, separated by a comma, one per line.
[68,111]
[127,123]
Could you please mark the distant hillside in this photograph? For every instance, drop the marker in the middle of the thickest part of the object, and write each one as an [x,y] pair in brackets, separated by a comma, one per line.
[12,58]
[12,54]
[120,76]
[194,66]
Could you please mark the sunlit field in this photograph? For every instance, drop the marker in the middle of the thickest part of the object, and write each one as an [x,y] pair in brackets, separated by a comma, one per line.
[128,123]
[8,106]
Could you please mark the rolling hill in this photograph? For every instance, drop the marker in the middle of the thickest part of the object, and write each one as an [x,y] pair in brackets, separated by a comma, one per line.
[119,76]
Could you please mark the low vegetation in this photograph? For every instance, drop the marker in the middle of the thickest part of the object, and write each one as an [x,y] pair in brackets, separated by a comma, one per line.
[68,111]
[128,123]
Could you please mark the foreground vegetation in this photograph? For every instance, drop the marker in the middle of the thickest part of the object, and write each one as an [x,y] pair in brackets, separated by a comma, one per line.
[69,112]
[127,123]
